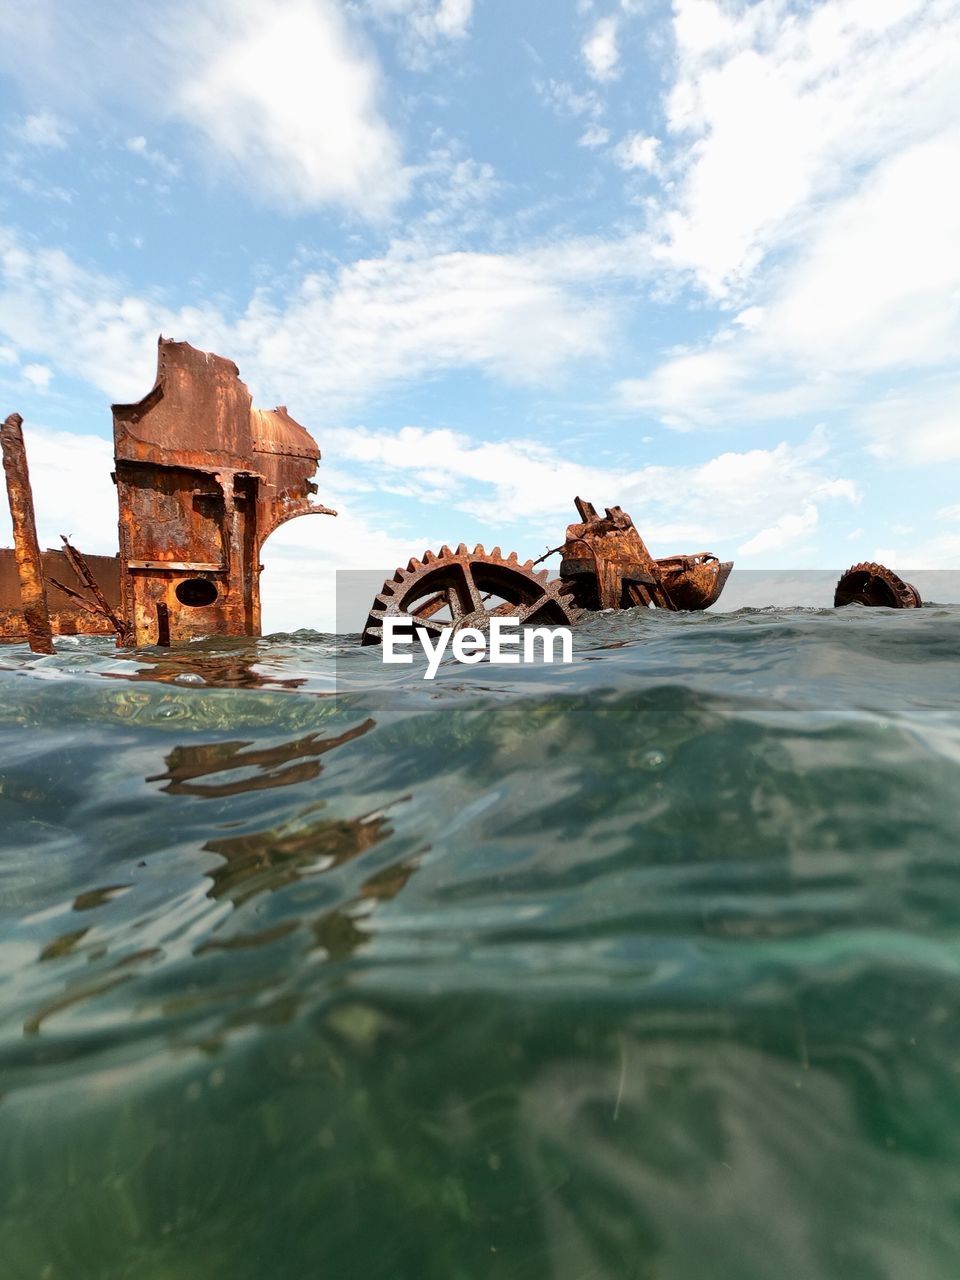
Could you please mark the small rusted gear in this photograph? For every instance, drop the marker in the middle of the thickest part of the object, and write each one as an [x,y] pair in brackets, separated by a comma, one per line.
[463,588]
[876,585]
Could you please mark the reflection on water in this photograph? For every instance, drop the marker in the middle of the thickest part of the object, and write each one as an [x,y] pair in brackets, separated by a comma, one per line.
[184,764]
[264,860]
[217,664]
[640,969]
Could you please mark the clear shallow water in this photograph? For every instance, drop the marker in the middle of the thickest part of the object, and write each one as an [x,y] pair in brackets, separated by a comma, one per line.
[646,967]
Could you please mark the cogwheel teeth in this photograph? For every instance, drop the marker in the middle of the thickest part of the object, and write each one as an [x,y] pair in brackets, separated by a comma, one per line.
[444,587]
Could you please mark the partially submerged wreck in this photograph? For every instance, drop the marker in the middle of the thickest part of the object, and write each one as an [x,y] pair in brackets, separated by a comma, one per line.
[203,478]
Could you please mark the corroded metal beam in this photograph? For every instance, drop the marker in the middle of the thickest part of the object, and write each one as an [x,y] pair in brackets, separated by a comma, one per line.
[33,591]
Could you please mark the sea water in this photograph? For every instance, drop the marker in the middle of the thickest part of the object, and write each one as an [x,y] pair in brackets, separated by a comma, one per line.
[645,966]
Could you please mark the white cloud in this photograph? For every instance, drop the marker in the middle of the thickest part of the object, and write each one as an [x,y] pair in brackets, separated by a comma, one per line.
[424,24]
[783,533]
[874,291]
[410,315]
[600,52]
[38,375]
[313,549]
[286,96]
[638,151]
[594,136]
[86,324]
[138,146]
[940,552]
[732,498]
[44,130]
[949,513]
[779,109]
[72,490]
[453,17]
[339,337]
[568,102]
[917,426]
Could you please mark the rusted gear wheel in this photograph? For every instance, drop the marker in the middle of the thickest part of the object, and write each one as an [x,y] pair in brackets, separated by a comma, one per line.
[462,588]
[876,585]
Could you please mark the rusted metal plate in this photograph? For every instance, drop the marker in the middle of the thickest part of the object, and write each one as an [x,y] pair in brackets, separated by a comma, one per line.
[203,479]
[877,586]
[66,617]
[694,582]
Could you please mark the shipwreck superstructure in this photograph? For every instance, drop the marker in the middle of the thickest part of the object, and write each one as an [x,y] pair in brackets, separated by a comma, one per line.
[203,478]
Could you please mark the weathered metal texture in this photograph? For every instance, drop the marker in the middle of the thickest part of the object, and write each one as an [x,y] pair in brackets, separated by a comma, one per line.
[67,616]
[694,582]
[463,588]
[94,602]
[203,479]
[875,585]
[33,592]
[608,566]
[607,563]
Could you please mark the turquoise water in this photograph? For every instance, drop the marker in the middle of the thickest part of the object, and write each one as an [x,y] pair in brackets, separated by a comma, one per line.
[643,967]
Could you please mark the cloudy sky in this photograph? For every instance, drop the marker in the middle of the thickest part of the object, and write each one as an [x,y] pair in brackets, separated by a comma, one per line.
[700,258]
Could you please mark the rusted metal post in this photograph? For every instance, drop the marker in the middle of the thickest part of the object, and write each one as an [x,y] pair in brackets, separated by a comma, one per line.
[33,591]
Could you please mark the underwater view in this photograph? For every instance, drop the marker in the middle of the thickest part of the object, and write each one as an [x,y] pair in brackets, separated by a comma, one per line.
[641,968]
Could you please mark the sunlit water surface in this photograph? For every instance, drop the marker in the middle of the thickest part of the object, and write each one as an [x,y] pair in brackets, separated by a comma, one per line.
[642,967]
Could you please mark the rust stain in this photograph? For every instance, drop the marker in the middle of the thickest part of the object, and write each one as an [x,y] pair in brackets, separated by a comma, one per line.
[463,588]
[605,565]
[608,564]
[609,567]
[877,586]
[694,582]
[33,591]
[203,479]
[68,617]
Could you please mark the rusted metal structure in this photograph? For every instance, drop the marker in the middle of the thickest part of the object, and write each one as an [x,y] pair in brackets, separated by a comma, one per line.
[463,588]
[605,565]
[68,617]
[877,586]
[203,478]
[32,587]
[694,582]
[609,567]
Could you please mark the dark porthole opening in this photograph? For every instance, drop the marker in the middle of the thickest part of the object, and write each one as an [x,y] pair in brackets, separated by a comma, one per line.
[196,592]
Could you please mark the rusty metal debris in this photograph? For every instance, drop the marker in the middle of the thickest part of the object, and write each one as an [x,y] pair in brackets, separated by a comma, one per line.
[605,564]
[609,566]
[463,588]
[33,590]
[875,585]
[694,582]
[97,603]
[203,478]
[68,617]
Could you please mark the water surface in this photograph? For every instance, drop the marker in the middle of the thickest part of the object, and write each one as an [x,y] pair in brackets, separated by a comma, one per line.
[642,967]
